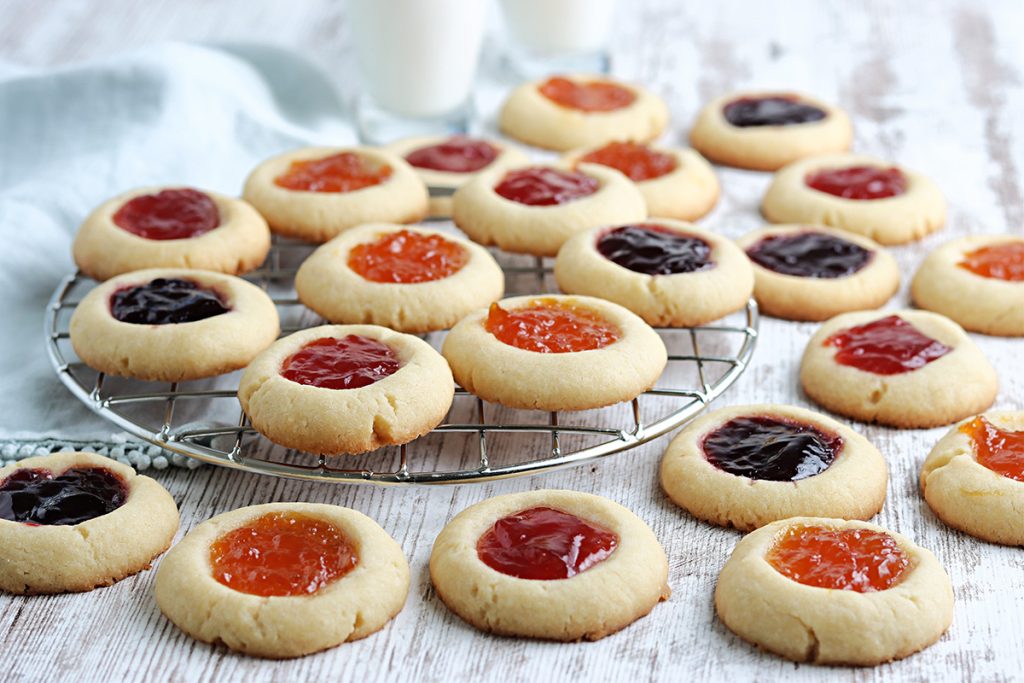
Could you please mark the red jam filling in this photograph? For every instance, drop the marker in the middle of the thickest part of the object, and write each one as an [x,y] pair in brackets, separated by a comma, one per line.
[770,448]
[637,162]
[551,326]
[1000,450]
[887,346]
[166,301]
[344,172]
[169,215]
[859,182]
[458,154]
[809,254]
[282,553]
[38,498]
[544,544]
[859,560]
[407,257]
[539,186]
[777,110]
[998,261]
[593,96]
[654,250]
[346,363]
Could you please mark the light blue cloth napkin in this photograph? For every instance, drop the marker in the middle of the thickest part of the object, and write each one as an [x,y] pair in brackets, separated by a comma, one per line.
[74,136]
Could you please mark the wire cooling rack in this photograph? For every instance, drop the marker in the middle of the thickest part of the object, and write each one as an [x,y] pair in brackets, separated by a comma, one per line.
[478,441]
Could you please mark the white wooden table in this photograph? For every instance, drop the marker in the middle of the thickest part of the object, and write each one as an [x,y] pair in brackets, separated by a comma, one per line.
[934,85]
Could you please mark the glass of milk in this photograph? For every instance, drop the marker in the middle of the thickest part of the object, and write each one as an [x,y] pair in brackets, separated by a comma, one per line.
[418,60]
[563,36]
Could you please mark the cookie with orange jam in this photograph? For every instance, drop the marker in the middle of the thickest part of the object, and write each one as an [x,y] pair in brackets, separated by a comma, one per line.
[316,193]
[171,227]
[904,368]
[670,273]
[973,479]
[567,112]
[747,466]
[77,521]
[346,389]
[889,203]
[447,163]
[828,591]
[284,579]
[557,565]
[765,131]
[675,183]
[978,281]
[554,352]
[535,209]
[411,279]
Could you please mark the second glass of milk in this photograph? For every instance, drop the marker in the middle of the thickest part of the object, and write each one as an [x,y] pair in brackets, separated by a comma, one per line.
[418,60]
[547,36]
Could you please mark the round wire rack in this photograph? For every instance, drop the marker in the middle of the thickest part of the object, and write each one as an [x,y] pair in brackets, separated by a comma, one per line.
[479,441]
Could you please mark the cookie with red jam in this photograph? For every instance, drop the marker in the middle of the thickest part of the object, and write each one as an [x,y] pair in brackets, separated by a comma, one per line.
[72,522]
[411,279]
[747,466]
[675,183]
[171,227]
[535,209]
[973,479]
[904,368]
[567,112]
[809,272]
[346,389]
[829,591]
[889,203]
[556,565]
[554,352]
[978,281]
[284,579]
[765,131]
[316,193]
[171,325]
[447,163]
[670,273]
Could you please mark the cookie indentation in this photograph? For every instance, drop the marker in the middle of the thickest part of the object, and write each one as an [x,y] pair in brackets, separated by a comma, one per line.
[859,560]
[654,250]
[1000,450]
[777,110]
[348,362]
[551,326]
[887,346]
[457,154]
[542,543]
[637,162]
[771,448]
[809,254]
[343,172]
[540,186]
[168,215]
[37,497]
[595,96]
[859,182]
[166,301]
[407,257]
[1002,261]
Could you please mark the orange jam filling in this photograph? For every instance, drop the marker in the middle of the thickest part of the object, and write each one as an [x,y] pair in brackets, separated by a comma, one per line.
[342,172]
[551,326]
[594,96]
[1000,450]
[407,257]
[637,162]
[859,560]
[282,553]
[998,261]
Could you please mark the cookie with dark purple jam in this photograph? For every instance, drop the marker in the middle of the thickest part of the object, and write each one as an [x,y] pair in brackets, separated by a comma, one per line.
[653,250]
[771,448]
[166,301]
[773,110]
[809,254]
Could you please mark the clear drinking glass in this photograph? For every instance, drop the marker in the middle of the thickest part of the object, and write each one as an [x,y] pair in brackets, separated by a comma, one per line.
[418,60]
[558,36]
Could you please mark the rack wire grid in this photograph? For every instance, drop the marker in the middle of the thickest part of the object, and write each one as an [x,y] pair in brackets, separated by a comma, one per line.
[479,441]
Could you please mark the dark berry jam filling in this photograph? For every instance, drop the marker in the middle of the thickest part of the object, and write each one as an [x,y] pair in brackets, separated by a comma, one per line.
[771,448]
[458,154]
[346,363]
[36,496]
[809,254]
[887,346]
[859,182]
[539,186]
[165,301]
[169,215]
[544,544]
[777,110]
[654,250]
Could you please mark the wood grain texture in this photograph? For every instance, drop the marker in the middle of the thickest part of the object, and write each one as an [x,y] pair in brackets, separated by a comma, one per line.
[934,85]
